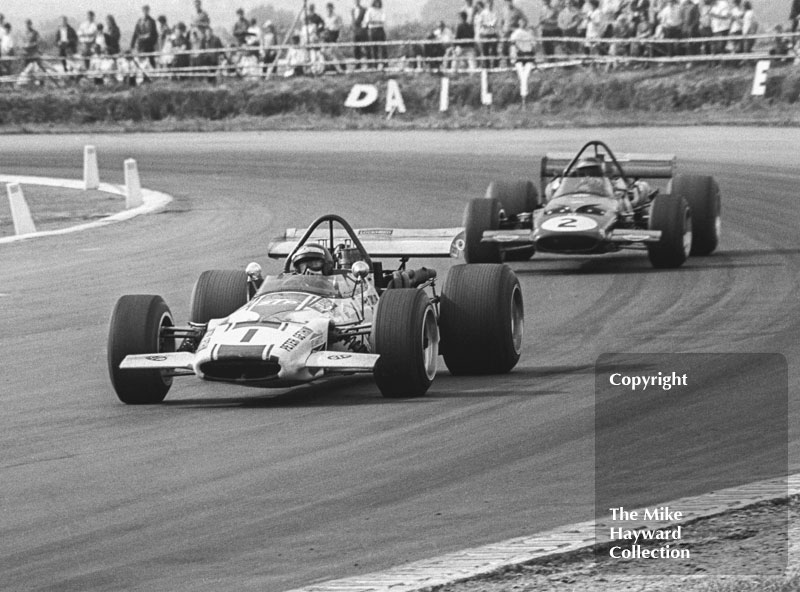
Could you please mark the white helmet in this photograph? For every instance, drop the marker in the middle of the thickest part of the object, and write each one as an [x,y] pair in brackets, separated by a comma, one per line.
[313,258]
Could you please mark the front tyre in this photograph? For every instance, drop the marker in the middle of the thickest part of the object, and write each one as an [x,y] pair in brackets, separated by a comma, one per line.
[481,215]
[702,194]
[136,328]
[406,336]
[217,293]
[482,319]
[670,214]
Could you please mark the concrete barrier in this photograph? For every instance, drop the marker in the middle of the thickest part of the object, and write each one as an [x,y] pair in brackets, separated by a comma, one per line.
[20,213]
[91,173]
[133,188]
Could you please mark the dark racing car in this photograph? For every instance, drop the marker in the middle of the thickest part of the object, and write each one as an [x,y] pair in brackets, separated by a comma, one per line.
[594,203]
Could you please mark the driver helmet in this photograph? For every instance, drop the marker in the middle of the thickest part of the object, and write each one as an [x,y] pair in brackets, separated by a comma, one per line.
[588,167]
[313,259]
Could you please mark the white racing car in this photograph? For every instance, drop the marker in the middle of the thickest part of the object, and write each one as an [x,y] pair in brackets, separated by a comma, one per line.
[333,310]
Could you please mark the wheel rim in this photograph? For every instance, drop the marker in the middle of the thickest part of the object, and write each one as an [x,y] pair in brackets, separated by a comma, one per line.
[687,235]
[718,227]
[430,343]
[517,319]
[165,344]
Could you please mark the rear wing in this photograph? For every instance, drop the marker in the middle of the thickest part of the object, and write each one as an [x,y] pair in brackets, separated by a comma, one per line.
[640,166]
[379,242]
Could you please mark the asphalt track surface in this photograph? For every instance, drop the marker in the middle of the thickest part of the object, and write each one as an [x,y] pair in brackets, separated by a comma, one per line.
[232,488]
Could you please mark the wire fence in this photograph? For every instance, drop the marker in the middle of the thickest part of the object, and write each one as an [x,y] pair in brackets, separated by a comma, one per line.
[460,56]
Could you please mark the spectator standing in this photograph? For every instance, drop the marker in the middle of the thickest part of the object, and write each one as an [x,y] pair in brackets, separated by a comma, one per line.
[512,18]
[523,45]
[269,39]
[737,14]
[253,38]
[469,10]
[749,25]
[705,25]
[465,42]
[6,49]
[314,18]
[333,24]
[87,36]
[240,28]
[594,26]
[794,15]
[375,21]
[145,35]
[671,24]
[112,36]
[66,41]
[487,26]
[640,9]
[690,27]
[548,26]
[720,23]
[360,34]
[164,32]
[181,45]
[30,45]
[569,21]
[200,20]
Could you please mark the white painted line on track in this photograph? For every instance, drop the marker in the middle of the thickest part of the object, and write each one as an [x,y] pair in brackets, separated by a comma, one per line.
[478,561]
[153,201]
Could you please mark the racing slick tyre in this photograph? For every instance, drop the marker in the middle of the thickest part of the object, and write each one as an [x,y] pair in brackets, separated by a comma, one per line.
[702,194]
[515,197]
[479,216]
[481,319]
[135,328]
[670,214]
[406,336]
[217,294]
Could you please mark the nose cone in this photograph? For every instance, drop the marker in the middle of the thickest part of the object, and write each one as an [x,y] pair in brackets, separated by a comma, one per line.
[569,233]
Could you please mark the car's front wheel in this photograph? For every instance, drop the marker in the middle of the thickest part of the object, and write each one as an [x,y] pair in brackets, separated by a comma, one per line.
[481,215]
[406,336]
[137,327]
[670,214]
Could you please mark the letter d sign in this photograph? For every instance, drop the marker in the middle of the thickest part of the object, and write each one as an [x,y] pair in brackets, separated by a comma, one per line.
[361,96]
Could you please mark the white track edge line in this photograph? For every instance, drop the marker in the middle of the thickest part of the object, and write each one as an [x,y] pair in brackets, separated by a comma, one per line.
[153,201]
[478,561]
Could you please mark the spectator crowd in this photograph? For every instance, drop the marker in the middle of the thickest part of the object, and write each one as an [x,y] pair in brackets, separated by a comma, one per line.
[486,33]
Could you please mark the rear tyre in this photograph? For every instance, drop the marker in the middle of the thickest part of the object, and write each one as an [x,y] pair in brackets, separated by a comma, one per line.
[702,194]
[670,214]
[406,336]
[482,319]
[515,197]
[135,328]
[479,216]
[218,293]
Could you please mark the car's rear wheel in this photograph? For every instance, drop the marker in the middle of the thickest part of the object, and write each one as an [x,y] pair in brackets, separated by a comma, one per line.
[406,336]
[217,293]
[701,192]
[670,214]
[482,319]
[481,215]
[136,327]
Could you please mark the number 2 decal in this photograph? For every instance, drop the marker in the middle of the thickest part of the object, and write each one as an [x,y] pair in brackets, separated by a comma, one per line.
[568,223]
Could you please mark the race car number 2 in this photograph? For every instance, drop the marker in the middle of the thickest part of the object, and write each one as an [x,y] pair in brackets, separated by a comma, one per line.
[569,224]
